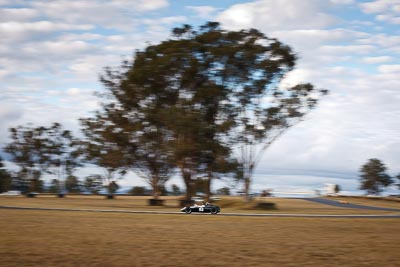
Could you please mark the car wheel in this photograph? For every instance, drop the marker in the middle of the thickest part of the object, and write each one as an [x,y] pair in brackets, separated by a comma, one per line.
[213,211]
[188,211]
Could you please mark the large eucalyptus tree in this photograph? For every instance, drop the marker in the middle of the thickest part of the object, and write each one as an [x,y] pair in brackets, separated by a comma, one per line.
[191,100]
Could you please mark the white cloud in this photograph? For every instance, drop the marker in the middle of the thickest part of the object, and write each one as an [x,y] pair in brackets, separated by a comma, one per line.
[17,14]
[268,15]
[347,49]
[317,36]
[387,43]
[140,5]
[379,6]
[378,59]
[6,2]
[117,14]
[3,73]
[44,26]
[204,12]
[19,31]
[56,50]
[307,42]
[395,69]
[388,18]
[73,91]
[86,36]
[161,26]
[165,20]
[387,10]
[343,2]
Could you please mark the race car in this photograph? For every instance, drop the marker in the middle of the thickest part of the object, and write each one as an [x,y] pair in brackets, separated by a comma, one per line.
[206,208]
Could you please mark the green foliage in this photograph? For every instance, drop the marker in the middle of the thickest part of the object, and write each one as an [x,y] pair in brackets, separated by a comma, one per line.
[265,206]
[112,187]
[200,186]
[106,147]
[93,184]
[42,149]
[72,184]
[223,191]
[175,190]
[55,186]
[36,185]
[28,149]
[337,188]
[266,193]
[398,178]
[64,150]
[373,177]
[20,182]
[138,191]
[5,178]
[184,103]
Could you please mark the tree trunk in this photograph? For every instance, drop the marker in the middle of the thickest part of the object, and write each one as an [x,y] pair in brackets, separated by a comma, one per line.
[110,194]
[187,178]
[247,181]
[208,186]
[155,186]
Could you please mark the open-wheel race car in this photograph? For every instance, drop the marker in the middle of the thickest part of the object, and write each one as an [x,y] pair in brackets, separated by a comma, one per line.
[206,208]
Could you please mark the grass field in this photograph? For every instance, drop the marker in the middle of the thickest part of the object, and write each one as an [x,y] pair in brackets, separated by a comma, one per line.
[58,238]
[61,238]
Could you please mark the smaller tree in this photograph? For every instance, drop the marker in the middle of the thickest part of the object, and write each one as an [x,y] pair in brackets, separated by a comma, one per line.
[55,186]
[28,149]
[72,184]
[373,177]
[36,184]
[93,184]
[337,189]
[64,153]
[20,181]
[200,186]
[266,193]
[223,191]
[5,178]
[138,191]
[42,149]
[105,149]
[398,178]
[175,190]
[112,187]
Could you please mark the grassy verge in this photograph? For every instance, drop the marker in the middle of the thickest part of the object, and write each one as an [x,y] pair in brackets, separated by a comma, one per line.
[384,202]
[228,204]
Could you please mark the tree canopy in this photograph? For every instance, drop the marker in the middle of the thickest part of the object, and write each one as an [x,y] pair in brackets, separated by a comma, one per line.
[374,177]
[190,101]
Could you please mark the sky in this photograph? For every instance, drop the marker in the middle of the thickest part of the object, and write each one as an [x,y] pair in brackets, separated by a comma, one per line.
[51,53]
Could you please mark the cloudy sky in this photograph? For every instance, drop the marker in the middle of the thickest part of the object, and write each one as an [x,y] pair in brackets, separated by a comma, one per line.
[51,53]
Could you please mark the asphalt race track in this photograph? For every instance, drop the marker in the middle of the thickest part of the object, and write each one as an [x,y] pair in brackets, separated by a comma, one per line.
[220,214]
[346,205]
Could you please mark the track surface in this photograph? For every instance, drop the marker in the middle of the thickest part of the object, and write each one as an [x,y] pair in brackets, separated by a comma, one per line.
[221,214]
[346,205]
